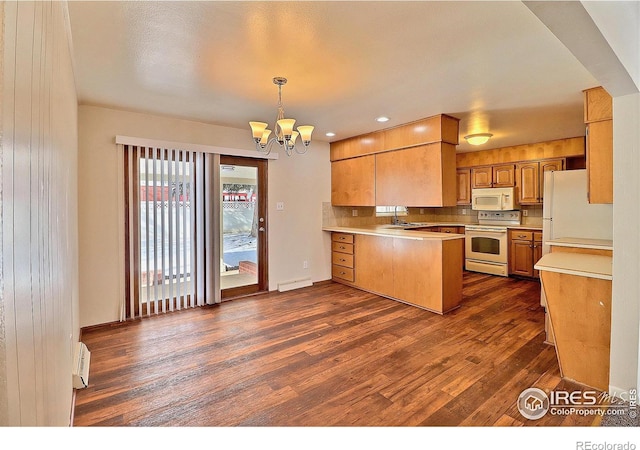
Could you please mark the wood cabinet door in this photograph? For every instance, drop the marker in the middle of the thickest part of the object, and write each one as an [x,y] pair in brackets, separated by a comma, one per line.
[504,175]
[419,176]
[537,251]
[598,105]
[463,191]
[527,182]
[374,264]
[481,177]
[521,258]
[550,165]
[600,161]
[353,182]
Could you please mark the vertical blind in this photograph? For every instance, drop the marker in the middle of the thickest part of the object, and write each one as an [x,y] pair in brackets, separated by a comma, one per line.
[170,215]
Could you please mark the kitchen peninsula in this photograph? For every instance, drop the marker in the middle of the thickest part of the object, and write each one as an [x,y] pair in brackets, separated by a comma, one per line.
[403,263]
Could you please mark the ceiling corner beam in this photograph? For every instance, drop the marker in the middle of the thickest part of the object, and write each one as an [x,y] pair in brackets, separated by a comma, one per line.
[570,22]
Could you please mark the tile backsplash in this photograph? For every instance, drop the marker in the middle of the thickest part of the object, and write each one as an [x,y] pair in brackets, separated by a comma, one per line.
[343,216]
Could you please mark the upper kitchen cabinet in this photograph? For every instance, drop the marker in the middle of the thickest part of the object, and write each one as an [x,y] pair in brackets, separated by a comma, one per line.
[598,117]
[530,179]
[463,182]
[417,176]
[353,182]
[502,175]
[413,165]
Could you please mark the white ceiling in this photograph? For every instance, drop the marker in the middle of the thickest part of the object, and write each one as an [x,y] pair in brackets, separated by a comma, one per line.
[494,65]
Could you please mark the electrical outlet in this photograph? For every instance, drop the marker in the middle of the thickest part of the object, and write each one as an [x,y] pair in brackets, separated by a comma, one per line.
[464,212]
[421,210]
[354,212]
[305,264]
[525,213]
[280,206]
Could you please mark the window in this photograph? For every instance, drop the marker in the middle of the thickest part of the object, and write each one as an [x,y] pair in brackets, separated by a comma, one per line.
[390,211]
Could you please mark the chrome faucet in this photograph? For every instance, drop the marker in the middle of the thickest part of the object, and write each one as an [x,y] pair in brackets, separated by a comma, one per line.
[395,220]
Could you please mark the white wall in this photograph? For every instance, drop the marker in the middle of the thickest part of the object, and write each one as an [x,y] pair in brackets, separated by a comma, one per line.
[39,295]
[620,25]
[301,181]
[625,308]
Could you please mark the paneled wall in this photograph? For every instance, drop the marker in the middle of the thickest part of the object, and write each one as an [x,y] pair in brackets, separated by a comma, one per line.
[39,285]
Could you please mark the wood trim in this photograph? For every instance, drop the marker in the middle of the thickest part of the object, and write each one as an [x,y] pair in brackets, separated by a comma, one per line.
[561,148]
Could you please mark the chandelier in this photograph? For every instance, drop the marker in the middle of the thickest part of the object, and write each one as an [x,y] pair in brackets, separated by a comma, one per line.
[284,134]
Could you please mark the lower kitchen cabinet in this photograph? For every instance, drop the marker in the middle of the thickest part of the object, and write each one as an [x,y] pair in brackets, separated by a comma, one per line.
[343,268]
[525,249]
[447,229]
[425,273]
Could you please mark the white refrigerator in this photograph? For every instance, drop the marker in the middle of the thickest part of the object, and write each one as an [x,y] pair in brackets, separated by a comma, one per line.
[566,211]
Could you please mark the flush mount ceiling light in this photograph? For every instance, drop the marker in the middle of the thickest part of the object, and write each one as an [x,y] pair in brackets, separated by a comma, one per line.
[284,134]
[382,119]
[478,138]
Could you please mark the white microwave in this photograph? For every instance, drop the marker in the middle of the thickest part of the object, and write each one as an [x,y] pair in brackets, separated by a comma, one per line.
[494,199]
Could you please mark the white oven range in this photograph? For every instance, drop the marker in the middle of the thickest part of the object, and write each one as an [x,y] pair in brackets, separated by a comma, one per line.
[486,244]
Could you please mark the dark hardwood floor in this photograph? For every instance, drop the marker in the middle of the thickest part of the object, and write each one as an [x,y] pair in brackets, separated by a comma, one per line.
[327,355]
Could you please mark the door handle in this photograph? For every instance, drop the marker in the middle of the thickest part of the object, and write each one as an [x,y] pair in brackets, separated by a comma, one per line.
[261,229]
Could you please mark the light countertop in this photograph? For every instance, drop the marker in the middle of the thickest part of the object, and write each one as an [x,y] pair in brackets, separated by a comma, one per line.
[396,231]
[600,244]
[591,266]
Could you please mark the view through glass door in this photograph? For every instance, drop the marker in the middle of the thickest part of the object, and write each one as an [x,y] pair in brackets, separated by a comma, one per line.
[243,269]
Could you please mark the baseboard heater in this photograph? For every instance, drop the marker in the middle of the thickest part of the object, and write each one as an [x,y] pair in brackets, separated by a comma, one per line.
[294,284]
[81,360]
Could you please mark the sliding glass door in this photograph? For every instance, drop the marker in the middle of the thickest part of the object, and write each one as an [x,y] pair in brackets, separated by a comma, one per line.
[243,240]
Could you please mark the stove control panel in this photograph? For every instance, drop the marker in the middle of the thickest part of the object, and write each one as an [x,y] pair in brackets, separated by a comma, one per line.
[499,217]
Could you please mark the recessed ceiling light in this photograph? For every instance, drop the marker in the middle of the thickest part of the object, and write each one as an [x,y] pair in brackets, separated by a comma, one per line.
[330,134]
[382,119]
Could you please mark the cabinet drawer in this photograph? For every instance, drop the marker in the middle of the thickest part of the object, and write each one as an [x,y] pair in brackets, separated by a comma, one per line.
[521,235]
[448,230]
[342,259]
[537,236]
[344,273]
[342,237]
[342,248]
